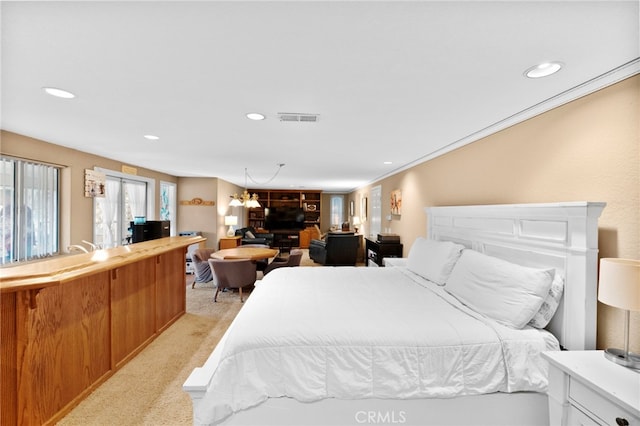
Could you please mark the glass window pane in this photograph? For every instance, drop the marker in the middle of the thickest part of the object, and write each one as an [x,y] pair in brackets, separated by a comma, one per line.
[168,203]
[337,210]
[30,210]
[6,212]
[124,199]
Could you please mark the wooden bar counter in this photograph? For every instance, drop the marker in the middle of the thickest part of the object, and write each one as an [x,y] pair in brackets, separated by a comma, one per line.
[68,323]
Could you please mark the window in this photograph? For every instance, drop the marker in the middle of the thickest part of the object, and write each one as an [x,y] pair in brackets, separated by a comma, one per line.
[337,210]
[124,199]
[29,215]
[376,211]
[168,204]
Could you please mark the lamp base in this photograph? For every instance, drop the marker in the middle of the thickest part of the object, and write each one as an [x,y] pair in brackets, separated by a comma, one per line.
[230,231]
[619,356]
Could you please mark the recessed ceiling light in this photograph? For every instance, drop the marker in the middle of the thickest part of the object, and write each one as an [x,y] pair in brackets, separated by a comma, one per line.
[255,116]
[543,70]
[59,93]
[151,137]
[388,162]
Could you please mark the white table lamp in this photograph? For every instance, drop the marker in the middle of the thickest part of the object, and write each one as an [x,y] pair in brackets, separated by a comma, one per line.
[355,221]
[230,221]
[619,286]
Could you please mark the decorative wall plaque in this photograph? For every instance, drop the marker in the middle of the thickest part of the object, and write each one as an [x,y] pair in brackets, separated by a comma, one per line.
[197,202]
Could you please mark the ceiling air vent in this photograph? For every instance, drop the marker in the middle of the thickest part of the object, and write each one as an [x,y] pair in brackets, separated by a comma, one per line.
[301,118]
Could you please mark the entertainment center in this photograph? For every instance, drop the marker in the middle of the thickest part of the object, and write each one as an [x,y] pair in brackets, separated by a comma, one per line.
[289,215]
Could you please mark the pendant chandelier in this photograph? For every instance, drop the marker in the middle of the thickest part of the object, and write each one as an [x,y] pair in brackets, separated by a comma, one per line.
[249,201]
[246,200]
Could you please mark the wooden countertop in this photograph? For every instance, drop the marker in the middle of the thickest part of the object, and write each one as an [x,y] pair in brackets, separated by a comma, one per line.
[51,272]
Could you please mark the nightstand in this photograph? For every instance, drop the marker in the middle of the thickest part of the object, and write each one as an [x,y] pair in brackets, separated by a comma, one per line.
[587,389]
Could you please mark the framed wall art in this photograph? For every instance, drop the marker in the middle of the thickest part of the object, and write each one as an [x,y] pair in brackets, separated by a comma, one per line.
[396,202]
[94,183]
[363,209]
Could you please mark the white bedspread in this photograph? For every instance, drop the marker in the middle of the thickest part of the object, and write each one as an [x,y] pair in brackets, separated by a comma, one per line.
[314,333]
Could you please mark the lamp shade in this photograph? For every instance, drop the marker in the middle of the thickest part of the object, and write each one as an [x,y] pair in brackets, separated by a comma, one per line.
[619,284]
[355,220]
[230,220]
[235,201]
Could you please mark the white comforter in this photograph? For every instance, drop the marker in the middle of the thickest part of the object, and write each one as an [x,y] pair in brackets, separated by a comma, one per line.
[314,333]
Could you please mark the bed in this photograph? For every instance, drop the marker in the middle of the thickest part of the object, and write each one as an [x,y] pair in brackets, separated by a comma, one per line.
[414,343]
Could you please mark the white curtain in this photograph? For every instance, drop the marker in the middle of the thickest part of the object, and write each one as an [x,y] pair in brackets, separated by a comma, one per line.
[39,210]
[124,199]
[106,230]
[29,211]
[137,197]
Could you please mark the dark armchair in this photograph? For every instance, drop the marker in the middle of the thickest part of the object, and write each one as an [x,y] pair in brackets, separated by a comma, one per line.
[251,236]
[339,249]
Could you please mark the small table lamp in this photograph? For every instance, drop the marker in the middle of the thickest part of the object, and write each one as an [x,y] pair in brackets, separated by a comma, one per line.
[230,221]
[619,287]
[356,223]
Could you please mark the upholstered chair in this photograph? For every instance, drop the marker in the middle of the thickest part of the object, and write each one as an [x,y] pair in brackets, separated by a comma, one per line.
[233,273]
[293,260]
[337,249]
[251,236]
[202,270]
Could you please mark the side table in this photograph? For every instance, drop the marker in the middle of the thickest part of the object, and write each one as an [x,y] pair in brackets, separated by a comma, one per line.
[375,252]
[586,388]
[230,242]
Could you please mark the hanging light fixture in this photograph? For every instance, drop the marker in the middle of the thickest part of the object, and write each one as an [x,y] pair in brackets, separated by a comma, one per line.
[247,200]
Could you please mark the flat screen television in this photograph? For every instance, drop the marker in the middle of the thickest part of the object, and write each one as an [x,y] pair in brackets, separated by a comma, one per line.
[284,218]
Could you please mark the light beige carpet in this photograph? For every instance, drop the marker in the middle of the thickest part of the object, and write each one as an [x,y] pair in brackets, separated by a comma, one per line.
[148,389]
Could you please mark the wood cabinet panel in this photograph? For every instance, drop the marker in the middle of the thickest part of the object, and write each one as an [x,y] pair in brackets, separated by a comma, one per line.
[305,238]
[133,308]
[170,288]
[63,345]
[8,370]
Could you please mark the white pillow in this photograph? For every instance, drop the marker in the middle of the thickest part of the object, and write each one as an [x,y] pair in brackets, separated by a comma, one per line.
[508,293]
[249,235]
[433,259]
[550,304]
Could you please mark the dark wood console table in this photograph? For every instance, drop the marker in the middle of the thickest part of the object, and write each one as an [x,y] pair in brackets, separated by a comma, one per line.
[376,251]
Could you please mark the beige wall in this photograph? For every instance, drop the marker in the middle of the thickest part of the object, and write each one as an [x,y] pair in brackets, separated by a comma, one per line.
[203,218]
[77,214]
[207,219]
[587,150]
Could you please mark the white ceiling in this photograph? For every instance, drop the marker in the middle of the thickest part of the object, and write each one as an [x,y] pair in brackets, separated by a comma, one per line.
[391,81]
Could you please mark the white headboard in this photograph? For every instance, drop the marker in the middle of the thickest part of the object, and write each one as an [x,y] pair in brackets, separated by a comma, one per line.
[559,235]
